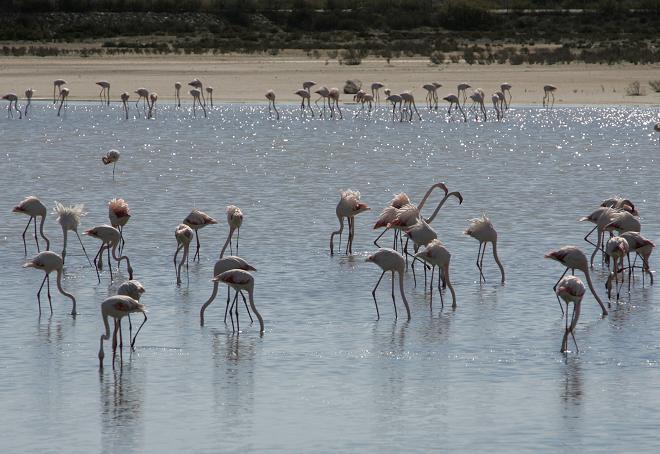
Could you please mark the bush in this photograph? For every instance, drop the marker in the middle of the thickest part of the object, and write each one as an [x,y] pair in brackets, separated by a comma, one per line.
[634,89]
[350,57]
[437,57]
[655,85]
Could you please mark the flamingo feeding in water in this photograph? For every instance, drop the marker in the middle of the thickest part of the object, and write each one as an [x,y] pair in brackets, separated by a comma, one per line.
[348,207]
[111,157]
[197,220]
[617,248]
[506,88]
[64,95]
[304,95]
[375,91]
[195,93]
[395,99]
[462,88]
[153,97]
[28,95]
[104,95]
[571,290]
[454,102]
[389,260]
[69,219]
[225,264]
[32,207]
[48,262]
[209,91]
[184,236]
[436,254]
[642,247]
[124,100]
[143,94]
[57,86]
[483,231]
[548,91]
[197,85]
[131,288]
[241,280]
[270,96]
[235,220]
[409,105]
[109,237]
[118,307]
[177,93]
[13,101]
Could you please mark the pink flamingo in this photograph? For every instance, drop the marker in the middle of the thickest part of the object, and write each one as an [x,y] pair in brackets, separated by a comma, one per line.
[307,86]
[496,105]
[324,94]
[573,258]
[616,248]
[13,101]
[270,96]
[69,219]
[28,95]
[506,88]
[241,280]
[478,100]
[453,100]
[436,254]
[482,230]
[195,93]
[198,220]
[64,95]
[184,236]
[111,157]
[48,262]
[548,91]
[118,307]
[226,264]
[119,214]
[131,288]
[153,97]
[235,220]
[389,260]
[348,207]
[462,88]
[32,207]
[109,237]
[431,95]
[409,105]
[333,99]
[304,95]
[124,100]
[177,94]
[642,247]
[571,290]
[57,85]
[197,84]
[209,91]
[104,95]
[395,99]
[375,91]
[143,94]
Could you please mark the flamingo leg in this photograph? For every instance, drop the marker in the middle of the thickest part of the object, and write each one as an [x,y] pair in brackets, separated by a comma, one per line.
[554,289]
[431,289]
[197,248]
[39,294]
[110,265]
[246,307]
[83,248]
[25,231]
[176,270]
[393,299]
[227,305]
[36,239]
[481,274]
[96,265]
[373,293]
[138,331]
[114,344]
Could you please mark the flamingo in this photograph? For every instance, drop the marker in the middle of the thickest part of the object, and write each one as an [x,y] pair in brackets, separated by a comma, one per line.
[197,220]
[124,100]
[389,260]
[109,237]
[197,84]
[348,207]
[57,85]
[209,91]
[478,99]
[119,214]
[13,101]
[184,236]
[32,207]
[153,97]
[195,93]
[620,203]
[482,230]
[64,95]
[549,90]
[453,100]
[462,88]
[241,280]
[333,97]
[105,90]
[69,219]
[324,93]
[375,91]
[111,157]
[230,262]
[571,290]
[235,220]
[573,258]
[409,104]
[307,86]
[395,99]
[304,95]
[506,88]
[270,96]
[28,95]
[177,93]
[143,94]
[496,103]
[131,288]
[48,262]
[616,248]
[431,95]
[642,247]
[436,254]
[118,307]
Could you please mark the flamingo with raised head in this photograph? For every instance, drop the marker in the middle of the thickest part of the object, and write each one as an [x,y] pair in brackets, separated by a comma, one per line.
[69,219]
[270,96]
[104,95]
[119,214]
[198,220]
[13,101]
[184,236]
[177,93]
[571,290]
[506,88]
[241,280]
[29,93]
[348,207]
[118,307]
[32,207]
[230,262]
[209,91]
[153,97]
[389,260]
[48,262]
[235,220]
[482,230]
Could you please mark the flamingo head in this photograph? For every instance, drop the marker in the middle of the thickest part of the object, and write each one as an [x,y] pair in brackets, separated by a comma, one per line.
[442,186]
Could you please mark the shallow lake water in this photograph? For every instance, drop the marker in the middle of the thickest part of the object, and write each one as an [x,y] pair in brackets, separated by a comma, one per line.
[326,375]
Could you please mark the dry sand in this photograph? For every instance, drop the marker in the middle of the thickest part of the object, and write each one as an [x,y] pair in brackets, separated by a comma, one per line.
[247,78]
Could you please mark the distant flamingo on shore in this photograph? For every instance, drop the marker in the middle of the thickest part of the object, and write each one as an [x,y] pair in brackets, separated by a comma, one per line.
[32,207]
[48,262]
[389,260]
[104,95]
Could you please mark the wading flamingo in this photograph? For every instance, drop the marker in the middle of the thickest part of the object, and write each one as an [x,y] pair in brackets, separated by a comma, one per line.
[348,207]
[571,290]
[270,96]
[395,99]
[118,307]
[462,88]
[131,288]
[57,86]
[28,95]
[375,91]
[235,220]
[241,280]
[177,94]
[119,213]
[69,219]
[197,84]
[104,95]
[548,91]
[48,262]
[436,254]
[124,100]
[478,100]
[506,88]
[111,157]
[333,99]
[304,95]
[307,85]
[153,97]
[225,264]
[618,249]
[574,259]
[482,230]
[431,95]
[209,91]
[195,93]
[198,220]
[109,237]
[389,260]
[64,95]
[324,94]
[642,247]
[184,236]
[496,105]
[32,207]
[620,203]
[143,94]
[409,105]
[453,100]
[13,101]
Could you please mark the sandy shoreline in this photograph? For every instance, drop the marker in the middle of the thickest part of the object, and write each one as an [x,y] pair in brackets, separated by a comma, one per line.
[247,78]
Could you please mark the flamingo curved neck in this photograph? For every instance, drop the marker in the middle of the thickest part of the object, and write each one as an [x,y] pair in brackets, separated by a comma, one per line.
[451,287]
[123,257]
[208,302]
[497,260]
[587,275]
[437,209]
[41,231]
[403,295]
[231,232]
[254,309]
[65,293]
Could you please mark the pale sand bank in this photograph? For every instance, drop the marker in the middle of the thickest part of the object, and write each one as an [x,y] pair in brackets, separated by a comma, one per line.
[247,78]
